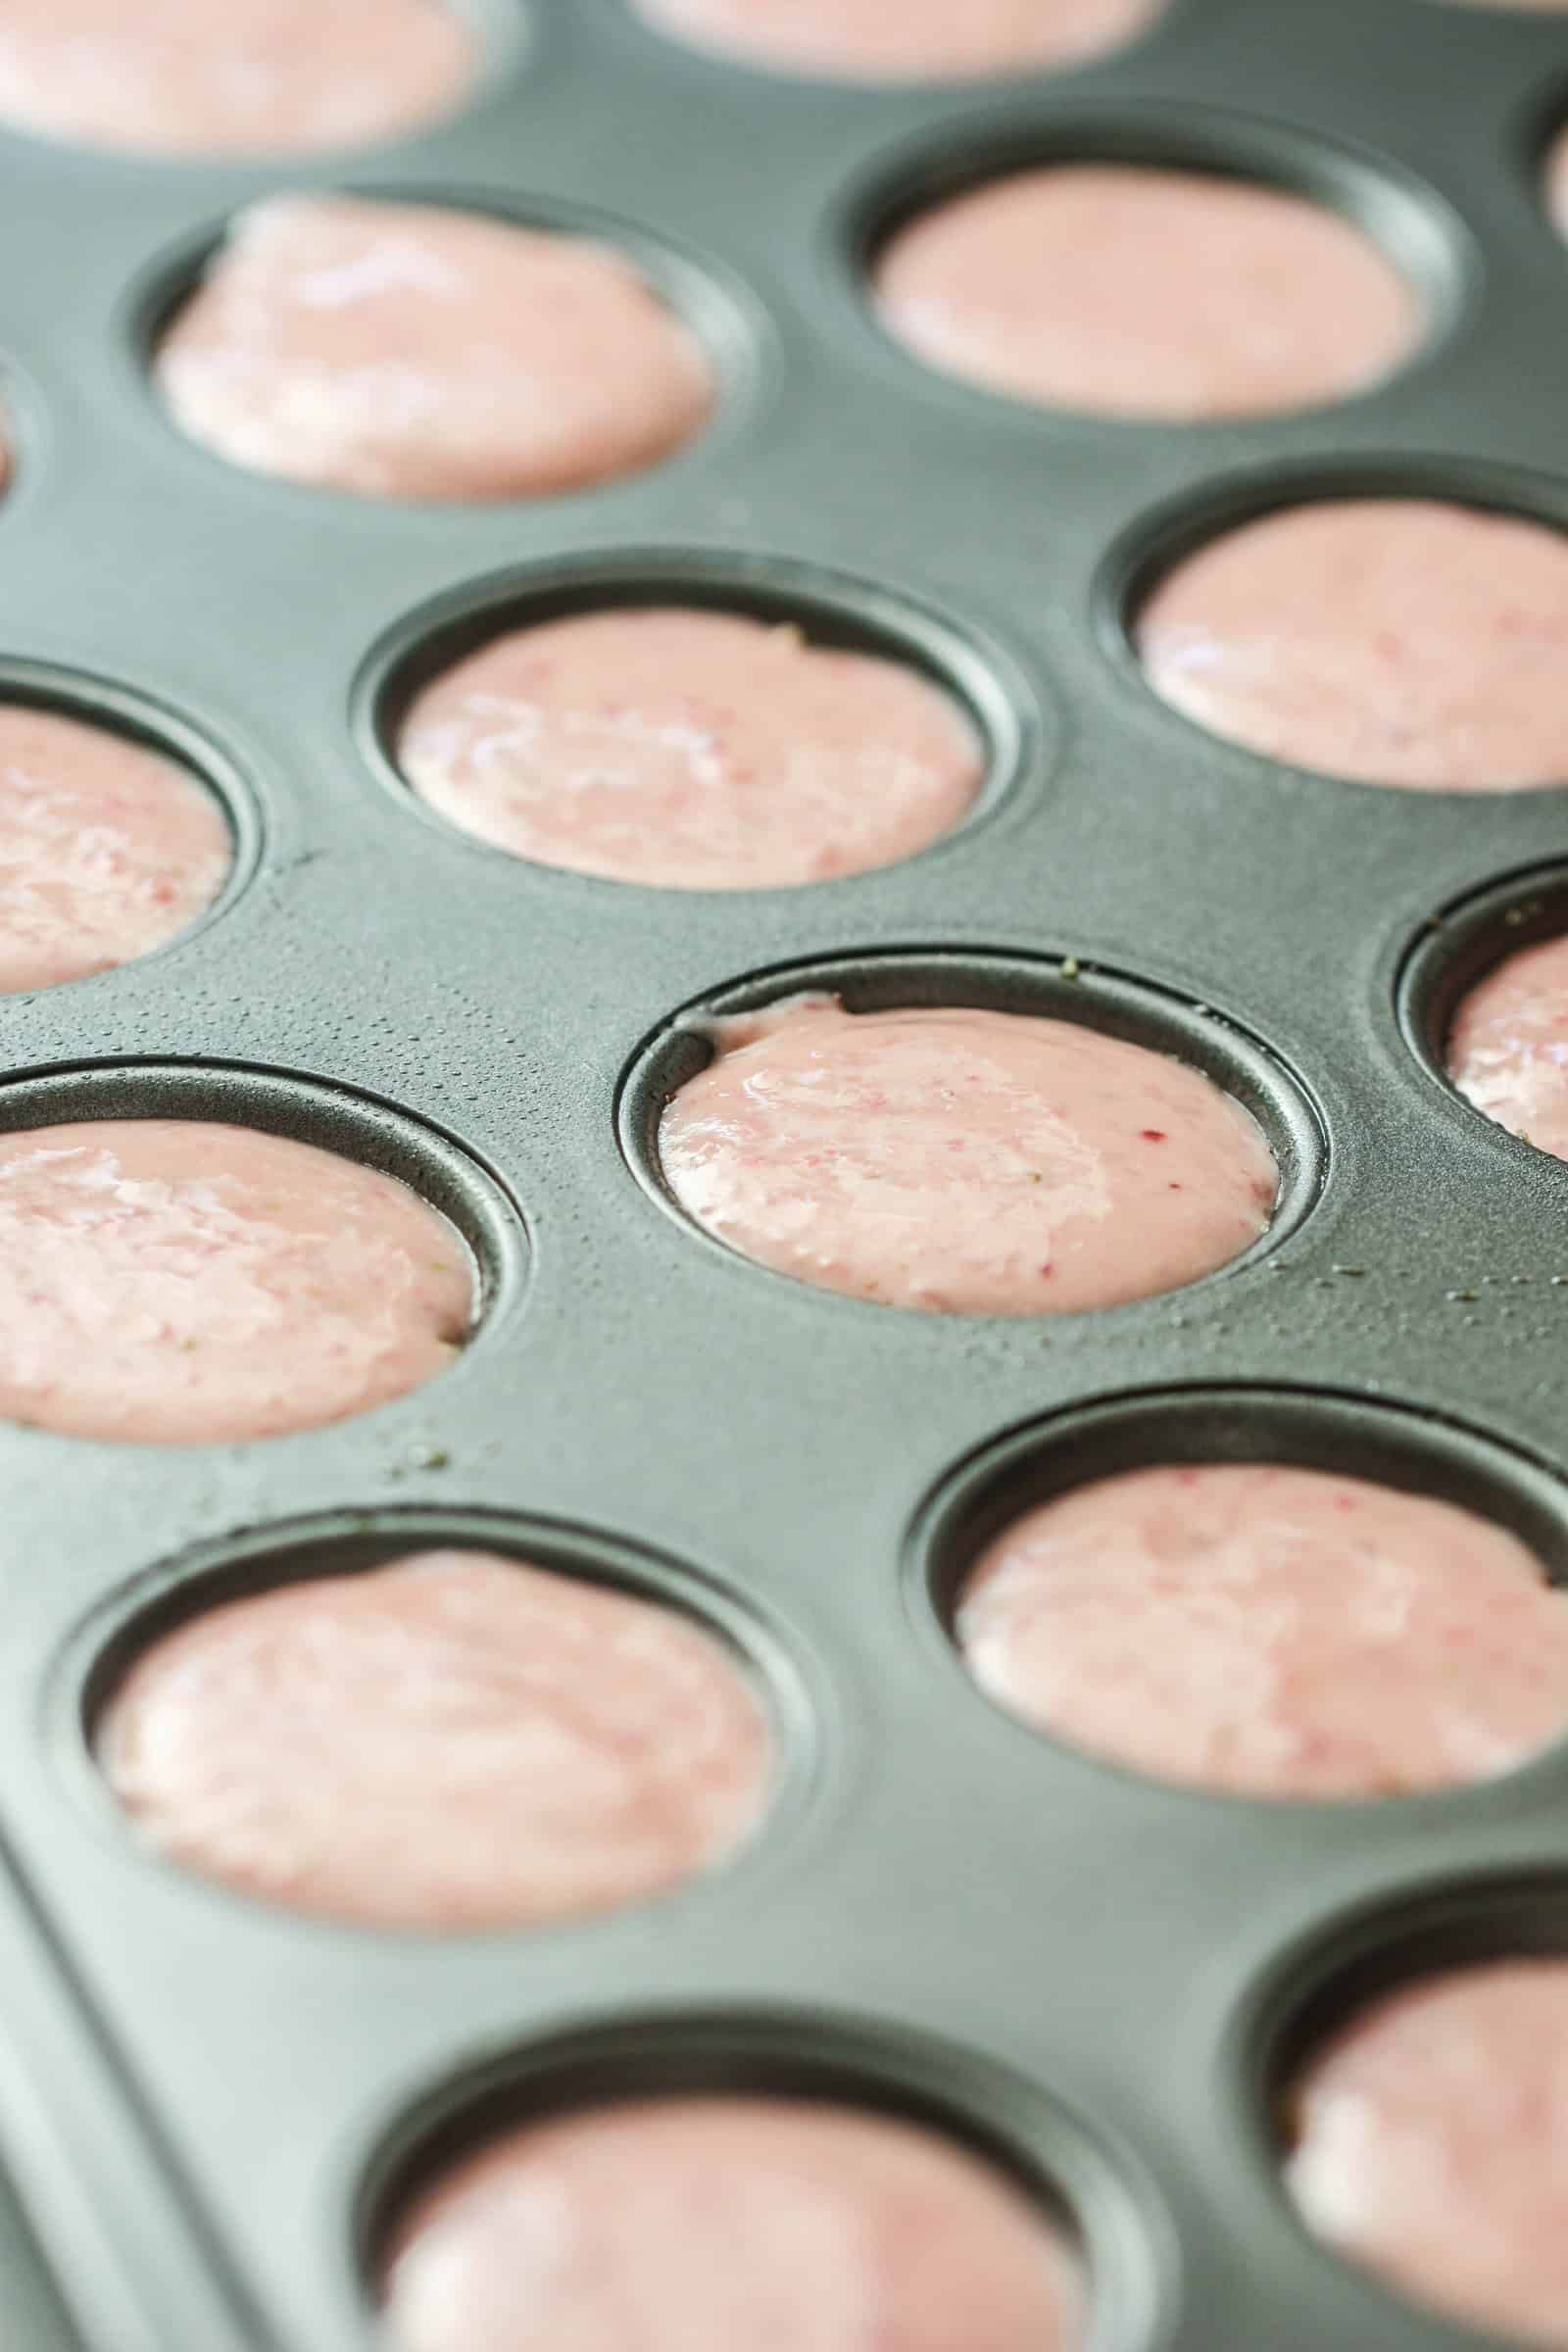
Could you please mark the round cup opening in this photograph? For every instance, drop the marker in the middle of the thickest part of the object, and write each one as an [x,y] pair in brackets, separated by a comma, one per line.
[113,709]
[1460,948]
[977,2107]
[103,1651]
[353,1125]
[719,310]
[1135,1012]
[832,611]
[1402,220]
[1306,1429]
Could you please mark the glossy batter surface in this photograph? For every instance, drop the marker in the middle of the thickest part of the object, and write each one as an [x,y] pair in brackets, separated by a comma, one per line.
[1272,1632]
[1508,1048]
[713,2223]
[1393,641]
[234,76]
[170,1281]
[692,750]
[1138,292]
[106,849]
[963,1161]
[1431,2145]
[410,351]
[454,1741]
[913,40]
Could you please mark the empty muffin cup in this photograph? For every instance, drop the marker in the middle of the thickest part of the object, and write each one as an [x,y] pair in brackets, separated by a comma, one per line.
[413,351]
[253,77]
[1389,640]
[1271,1631]
[451,1739]
[1426,2145]
[1137,290]
[699,2223]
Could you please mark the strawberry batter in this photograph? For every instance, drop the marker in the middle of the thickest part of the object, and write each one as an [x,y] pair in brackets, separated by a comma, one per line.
[963,1161]
[708,2225]
[456,1740]
[106,849]
[1272,1632]
[691,750]
[1138,292]
[170,1281]
[408,351]
[1388,640]
[913,40]
[1430,2145]
[192,77]
[1508,1048]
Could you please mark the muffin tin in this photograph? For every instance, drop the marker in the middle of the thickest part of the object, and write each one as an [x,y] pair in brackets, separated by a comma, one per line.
[205,2105]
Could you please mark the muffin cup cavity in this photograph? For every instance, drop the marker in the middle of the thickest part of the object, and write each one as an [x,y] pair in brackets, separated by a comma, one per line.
[1067,989]
[835,610]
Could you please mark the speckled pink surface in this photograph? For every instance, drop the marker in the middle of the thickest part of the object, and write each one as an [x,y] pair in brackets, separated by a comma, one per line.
[1138,292]
[1392,641]
[417,352]
[906,40]
[731,2225]
[170,1281]
[963,1161]
[454,1741]
[106,849]
[236,77]
[1272,1632]
[1555,183]
[691,750]
[1431,2145]
[1509,1046]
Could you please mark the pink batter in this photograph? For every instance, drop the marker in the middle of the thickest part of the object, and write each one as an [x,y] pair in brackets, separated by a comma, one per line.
[234,76]
[1557,176]
[1272,1632]
[1431,2145]
[106,849]
[1146,293]
[410,351]
[731,2225]
[1508,1048]
[906,40]
[456,1740]
[169,1281]
[1389,640]
[964,1161]
[695,751]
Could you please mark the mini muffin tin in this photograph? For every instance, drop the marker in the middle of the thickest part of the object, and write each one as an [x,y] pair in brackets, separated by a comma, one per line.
[208,2108]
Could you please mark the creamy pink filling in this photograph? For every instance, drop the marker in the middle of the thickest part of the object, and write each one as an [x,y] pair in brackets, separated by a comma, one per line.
[709,2224]
[1508,1048]
[455,1740]
[106,849]
[961,1161]
[691,750]
[1431,2145]
[906,40]
[171,1280]
[230,76]
[1389,640]
[1141,292]
[1272,1632]
[408,351]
